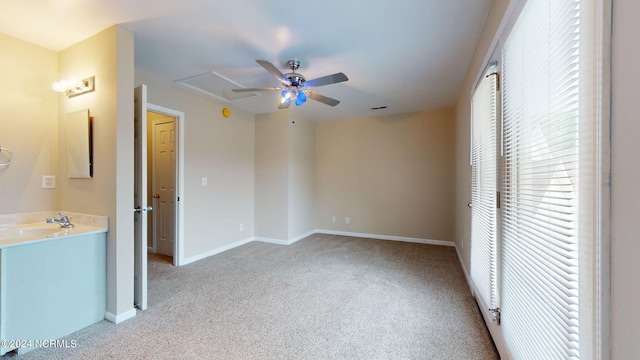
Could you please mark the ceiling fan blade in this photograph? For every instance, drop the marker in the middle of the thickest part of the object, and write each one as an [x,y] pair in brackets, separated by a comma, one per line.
[323,99]
[284,105]
[326,80]
[273,70]
[255,89]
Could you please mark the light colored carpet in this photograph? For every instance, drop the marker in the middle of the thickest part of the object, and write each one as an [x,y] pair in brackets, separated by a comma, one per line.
[324,297]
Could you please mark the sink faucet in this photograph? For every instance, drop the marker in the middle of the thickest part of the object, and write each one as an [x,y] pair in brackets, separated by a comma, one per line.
[64,221]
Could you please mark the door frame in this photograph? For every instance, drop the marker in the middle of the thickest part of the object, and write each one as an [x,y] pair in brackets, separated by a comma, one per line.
[178,250]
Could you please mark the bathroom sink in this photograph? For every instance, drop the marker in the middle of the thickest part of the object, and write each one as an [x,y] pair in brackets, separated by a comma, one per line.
[44,230]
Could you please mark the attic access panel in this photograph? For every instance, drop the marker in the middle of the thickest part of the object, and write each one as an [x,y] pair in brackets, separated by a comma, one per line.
[214,85]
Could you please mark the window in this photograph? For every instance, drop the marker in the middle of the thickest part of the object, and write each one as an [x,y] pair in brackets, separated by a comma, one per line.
[484,185]
[547,235]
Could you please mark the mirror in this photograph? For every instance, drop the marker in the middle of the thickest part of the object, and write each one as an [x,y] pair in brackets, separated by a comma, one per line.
[79,154]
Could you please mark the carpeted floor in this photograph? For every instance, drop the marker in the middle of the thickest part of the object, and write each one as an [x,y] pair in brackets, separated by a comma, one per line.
[324,297]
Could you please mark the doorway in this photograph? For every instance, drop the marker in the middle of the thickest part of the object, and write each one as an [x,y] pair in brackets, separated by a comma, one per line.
[142,211]
[167,226]
[161,180]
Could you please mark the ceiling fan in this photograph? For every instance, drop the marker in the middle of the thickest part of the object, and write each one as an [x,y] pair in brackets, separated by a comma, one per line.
[295,88]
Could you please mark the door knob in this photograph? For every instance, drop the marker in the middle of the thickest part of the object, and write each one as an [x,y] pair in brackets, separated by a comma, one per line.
[138,209]
[156,196]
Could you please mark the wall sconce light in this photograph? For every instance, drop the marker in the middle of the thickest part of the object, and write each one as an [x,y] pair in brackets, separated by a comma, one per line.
[73,87]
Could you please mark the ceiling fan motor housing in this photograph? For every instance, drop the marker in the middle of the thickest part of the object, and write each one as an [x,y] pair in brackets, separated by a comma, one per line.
[295,79]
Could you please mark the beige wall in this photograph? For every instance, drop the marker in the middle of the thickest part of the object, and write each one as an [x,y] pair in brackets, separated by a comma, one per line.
[625,181]
[272,175]
[302,171]
[28,126]
[108,56]
[285,169]
[220,149]
[390,175]
[35,130]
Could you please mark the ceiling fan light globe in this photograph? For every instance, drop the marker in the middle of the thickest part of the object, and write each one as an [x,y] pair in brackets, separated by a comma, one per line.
[302,96]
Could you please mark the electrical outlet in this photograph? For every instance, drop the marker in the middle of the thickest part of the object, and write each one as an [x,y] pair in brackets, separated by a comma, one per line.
[241,227]
[333,219]
[204,181]
[48,181]
[347,220]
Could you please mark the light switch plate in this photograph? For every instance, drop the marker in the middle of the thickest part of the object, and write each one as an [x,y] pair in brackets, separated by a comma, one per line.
[48,181]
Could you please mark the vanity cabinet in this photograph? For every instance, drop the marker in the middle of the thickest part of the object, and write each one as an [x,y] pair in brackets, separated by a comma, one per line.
[50,289]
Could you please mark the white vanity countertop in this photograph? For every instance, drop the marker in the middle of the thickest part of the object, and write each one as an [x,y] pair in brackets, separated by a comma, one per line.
[31,228]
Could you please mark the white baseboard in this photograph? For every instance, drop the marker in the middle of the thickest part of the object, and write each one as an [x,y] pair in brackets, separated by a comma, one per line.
[302,236]
[285,242]
[271,240]
[116,319]
[216,251]
[387,237]
[466,273]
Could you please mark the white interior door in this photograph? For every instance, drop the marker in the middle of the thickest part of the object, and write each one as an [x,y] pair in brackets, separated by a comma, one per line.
[140,198]
[164,184]
[156,112]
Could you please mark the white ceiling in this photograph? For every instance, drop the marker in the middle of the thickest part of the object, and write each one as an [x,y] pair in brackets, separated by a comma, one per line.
[409,55]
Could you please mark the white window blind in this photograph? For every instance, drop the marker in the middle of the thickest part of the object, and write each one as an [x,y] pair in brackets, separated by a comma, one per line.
[545,297]
[484,178]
